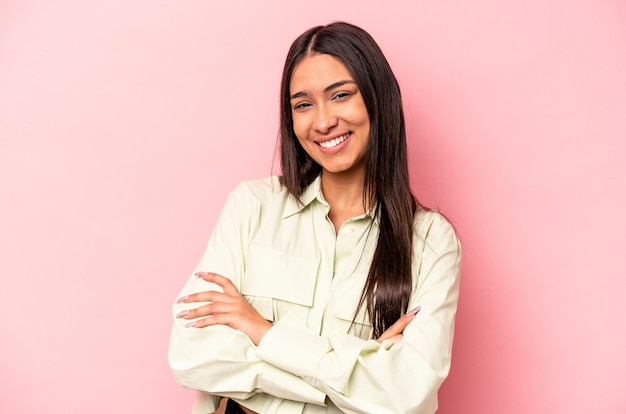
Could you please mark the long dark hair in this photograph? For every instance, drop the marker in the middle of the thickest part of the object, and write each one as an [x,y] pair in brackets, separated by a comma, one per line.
[388,284]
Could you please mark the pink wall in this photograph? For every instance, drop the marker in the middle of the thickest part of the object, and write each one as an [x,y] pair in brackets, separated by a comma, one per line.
[123,125]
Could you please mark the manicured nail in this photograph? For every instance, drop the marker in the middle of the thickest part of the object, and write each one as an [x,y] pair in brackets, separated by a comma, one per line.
[182,313]
[191,325]
[183,299]
[202,274]
[413,311]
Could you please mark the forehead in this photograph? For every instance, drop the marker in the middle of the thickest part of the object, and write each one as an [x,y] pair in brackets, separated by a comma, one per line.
[316,72]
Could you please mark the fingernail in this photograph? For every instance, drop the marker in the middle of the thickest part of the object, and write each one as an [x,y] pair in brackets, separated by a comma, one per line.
[183,299]
[182,313]
[413,311]
[191,325]
[202,274]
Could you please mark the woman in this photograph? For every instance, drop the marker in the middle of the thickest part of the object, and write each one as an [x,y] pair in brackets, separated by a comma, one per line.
[328,289]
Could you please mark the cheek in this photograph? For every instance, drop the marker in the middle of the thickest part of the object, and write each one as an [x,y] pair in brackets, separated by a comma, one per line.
[299,128]
[301,141]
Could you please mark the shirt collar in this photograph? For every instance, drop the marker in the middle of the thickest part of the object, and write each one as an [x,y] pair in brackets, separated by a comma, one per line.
[310,194]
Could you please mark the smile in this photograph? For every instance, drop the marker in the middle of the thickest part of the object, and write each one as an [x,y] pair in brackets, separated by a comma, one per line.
[334,142]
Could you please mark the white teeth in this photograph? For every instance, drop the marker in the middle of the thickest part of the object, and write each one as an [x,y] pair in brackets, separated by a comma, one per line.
[334,142]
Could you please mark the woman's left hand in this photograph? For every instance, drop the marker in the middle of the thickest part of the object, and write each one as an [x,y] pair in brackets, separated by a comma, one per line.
[228,308]
[395,331]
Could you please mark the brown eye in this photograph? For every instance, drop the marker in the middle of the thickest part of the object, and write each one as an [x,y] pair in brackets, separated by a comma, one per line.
[301,105]
[341,96]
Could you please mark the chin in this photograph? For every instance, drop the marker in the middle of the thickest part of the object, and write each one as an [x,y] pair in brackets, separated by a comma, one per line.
[342,169]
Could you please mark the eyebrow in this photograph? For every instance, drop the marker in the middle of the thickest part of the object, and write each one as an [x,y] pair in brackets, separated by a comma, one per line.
[326,89]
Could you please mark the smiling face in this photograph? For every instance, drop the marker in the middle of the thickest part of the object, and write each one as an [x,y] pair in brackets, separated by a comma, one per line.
[330,119]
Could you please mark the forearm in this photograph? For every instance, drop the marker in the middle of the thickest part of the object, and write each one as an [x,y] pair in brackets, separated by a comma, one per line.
[222,361]
[358,376]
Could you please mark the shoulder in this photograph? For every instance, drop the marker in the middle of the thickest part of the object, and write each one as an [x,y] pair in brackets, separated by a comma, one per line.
[431,221]
[433,232]
[260,198]
[259,190]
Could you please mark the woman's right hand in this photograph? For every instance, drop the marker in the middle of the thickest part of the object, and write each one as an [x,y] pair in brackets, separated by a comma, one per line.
[227,308]
[394,332]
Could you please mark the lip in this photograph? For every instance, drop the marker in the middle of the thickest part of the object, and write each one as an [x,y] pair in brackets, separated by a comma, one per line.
[337,147]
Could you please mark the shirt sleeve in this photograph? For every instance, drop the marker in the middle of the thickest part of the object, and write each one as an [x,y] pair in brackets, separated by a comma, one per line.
[219,359]
[363,376]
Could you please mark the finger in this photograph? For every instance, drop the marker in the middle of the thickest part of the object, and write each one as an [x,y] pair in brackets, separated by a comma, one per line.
[395,338]
[206,296]
[220,319]
[398,327]
[225,283]
[394,329]
[207,310]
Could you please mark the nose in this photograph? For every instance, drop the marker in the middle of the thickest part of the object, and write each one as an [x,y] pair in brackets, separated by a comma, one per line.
[325,120]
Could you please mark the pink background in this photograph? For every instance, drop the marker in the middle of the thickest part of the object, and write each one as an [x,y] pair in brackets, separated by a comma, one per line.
[124,124]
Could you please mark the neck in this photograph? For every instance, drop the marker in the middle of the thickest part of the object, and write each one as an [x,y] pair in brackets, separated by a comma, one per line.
[344,194]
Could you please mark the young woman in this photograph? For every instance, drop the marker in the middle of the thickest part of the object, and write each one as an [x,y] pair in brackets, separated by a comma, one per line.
[328,289]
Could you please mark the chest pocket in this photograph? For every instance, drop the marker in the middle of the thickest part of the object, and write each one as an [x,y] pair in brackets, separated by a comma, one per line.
[275,282]
[345,320]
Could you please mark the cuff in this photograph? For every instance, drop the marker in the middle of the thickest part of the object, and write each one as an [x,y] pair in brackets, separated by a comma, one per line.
[284,385]
[291,346]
